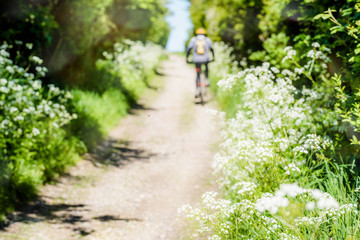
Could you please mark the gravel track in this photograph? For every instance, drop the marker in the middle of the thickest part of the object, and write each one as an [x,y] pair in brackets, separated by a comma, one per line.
[156,160]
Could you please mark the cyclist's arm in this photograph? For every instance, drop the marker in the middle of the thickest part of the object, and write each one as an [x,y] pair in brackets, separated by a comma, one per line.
[188,51]
[211,48]
[213,53]
[189,48]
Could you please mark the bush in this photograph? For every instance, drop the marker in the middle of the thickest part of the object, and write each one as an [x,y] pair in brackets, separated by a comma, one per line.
[224,65]
[281,178]
[121,78]
[43,128]
[35,147]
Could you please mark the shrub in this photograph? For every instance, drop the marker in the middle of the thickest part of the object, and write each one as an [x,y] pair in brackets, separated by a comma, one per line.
[35,147]
[224,65]
[123,75]
[281,178]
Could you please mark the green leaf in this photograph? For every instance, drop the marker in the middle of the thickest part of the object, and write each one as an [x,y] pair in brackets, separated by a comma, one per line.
[336,29]
[323,16]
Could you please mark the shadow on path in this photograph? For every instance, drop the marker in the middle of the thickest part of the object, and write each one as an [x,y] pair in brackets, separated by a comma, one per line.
[116,152]
[77,217]
[108,218]
[136,107]
[70,215]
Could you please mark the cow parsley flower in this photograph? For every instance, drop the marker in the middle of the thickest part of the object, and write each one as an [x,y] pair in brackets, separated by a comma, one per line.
[36,60]
[4,89]
[35,131]
[13,109]
[291,168]
[19,118]
[290,53]
[310,206]
[3,81]
[214,237]
[10,69]
[315,45]
[29,46]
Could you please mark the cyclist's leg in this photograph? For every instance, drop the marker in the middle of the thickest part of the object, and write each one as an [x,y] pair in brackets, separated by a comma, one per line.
[207,74]
[198,73]
[206,70]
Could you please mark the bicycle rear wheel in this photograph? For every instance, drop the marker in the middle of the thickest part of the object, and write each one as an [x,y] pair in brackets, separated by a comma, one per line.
[202,97]
[202,90]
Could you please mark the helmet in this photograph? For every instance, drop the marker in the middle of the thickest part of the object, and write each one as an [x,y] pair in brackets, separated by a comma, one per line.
[200,31]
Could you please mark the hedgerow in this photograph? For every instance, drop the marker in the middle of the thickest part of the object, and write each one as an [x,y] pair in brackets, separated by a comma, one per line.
[278,163]
[45,129]
[288,161]
[35,146]
[125,73]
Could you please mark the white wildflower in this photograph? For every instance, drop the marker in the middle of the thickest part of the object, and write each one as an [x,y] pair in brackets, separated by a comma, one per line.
[10,69]
[327,202]
[37,60]
[13,109]
[275,70]
[290,53]
[19,118]
[214,237]
[310,206]
[29,46]
[315,45]
[4,89]
[3,81]
[35,131]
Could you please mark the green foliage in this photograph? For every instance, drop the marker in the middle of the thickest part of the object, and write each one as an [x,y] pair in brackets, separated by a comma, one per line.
[233,22]
[28,21]
[41,134]
[280,117]
[71,35]
[35,146]
[281,179]
[40,131]
[121,78]
[97,114]
[273,50]
[142,20]
[225,64]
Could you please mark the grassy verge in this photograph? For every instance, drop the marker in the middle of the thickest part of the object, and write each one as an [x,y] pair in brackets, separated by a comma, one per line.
[45,129]
[282,169]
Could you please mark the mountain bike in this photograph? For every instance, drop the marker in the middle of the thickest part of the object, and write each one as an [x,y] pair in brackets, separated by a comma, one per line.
[202,85]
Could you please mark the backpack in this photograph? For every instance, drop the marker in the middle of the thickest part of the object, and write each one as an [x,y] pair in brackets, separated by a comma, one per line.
[200,46]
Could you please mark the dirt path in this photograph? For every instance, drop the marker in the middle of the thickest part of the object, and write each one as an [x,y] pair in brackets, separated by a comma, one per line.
[155,161]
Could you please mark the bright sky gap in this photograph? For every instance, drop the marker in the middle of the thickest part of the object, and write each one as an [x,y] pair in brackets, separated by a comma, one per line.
[180,24]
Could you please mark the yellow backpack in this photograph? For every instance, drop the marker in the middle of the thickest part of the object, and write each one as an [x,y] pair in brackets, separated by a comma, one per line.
[200,46]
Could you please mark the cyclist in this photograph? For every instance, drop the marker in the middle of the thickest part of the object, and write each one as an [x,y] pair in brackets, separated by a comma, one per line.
[202,46]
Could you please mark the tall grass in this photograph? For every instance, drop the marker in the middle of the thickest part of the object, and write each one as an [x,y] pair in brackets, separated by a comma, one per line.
[122,76]
[97,114]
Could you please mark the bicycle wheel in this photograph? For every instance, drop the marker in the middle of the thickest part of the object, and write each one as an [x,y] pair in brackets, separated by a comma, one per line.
[202,89]
[202,101]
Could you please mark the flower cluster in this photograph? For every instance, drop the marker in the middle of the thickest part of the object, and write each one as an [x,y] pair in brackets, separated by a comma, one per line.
[131,62]
[29,110]
[266,149]
[290,53]
[312,142]
[314,199]
[291,168]
[225,64]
